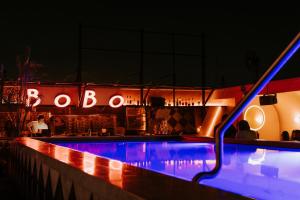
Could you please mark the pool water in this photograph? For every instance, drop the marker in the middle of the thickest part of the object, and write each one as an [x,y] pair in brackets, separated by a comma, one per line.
[252,171]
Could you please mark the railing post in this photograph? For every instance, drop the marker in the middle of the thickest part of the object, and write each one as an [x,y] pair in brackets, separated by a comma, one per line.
[284,57]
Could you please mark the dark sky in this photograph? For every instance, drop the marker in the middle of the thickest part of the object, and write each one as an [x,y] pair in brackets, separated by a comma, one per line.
[231,33]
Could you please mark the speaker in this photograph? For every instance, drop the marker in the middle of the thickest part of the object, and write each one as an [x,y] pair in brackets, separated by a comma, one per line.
[269,99]
[157,101]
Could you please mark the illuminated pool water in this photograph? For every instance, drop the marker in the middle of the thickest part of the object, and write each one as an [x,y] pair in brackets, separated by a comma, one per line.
[261,173]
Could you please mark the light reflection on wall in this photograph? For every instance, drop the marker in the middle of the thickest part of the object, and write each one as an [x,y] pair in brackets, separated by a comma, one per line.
[213,121]
[297,118]
[89,163]
[115,172]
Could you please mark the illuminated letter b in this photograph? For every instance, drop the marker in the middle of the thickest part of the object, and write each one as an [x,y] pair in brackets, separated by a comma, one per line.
[32,98]
[89,95]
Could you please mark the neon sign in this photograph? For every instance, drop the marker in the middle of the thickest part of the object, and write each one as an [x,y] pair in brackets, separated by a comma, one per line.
[89,95]
[62,96]
[64,100]
[33,94]
[116,101]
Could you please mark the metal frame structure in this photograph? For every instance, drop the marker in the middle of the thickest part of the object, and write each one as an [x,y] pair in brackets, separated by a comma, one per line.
[284,57]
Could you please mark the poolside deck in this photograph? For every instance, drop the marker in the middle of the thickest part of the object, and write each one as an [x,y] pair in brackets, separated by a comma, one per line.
[79,173]
[137,178]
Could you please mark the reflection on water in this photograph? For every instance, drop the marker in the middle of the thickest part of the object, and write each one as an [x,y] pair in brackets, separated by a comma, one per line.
[247,170]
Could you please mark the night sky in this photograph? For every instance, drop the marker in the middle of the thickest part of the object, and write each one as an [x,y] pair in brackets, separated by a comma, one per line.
[231,35]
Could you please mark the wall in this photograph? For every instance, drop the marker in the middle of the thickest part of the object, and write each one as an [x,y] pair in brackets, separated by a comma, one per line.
[270,129]
[283,116]
[289,110]
[212,118]
[170,120]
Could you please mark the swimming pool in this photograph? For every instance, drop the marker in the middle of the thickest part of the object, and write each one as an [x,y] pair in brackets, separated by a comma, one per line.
[252,171]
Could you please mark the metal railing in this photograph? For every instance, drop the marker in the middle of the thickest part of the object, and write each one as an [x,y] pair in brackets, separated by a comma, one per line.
[284,57]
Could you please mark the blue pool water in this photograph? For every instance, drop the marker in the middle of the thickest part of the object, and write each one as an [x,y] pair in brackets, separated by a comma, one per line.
[261,173]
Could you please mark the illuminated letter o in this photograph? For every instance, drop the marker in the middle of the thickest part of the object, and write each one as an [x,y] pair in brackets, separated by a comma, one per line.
[57,98]
[112,99]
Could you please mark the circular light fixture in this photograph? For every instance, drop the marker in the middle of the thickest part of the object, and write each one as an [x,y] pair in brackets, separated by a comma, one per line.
[259,119]
[255,115]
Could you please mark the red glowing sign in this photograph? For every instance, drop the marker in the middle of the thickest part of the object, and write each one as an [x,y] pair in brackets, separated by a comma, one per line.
[116,101]
[64,100]
[89,95]
[33,94]
[62,96]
